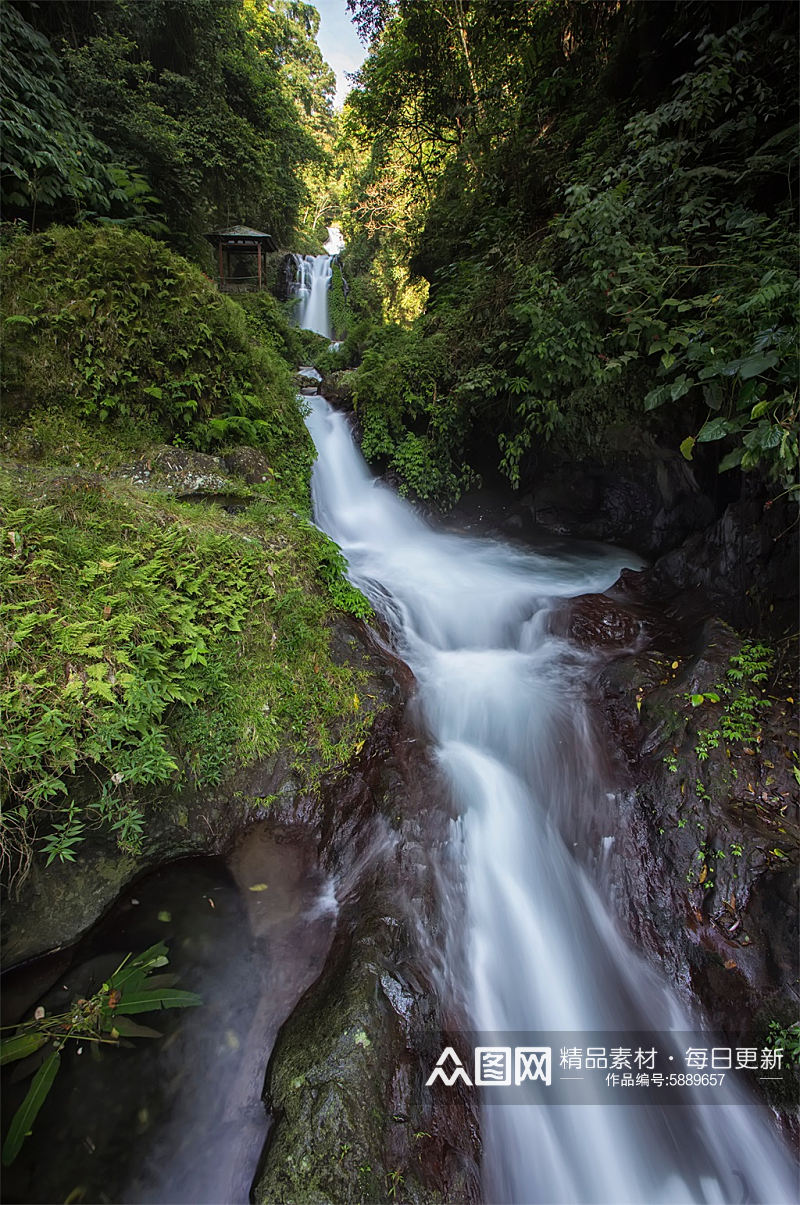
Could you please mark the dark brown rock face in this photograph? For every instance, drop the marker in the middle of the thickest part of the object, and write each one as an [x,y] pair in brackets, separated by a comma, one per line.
[704,863]
[350,1065]
[337,388]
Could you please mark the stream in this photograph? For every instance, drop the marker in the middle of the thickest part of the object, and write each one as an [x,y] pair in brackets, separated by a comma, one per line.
[533,946]
[179,1119]
[504,704]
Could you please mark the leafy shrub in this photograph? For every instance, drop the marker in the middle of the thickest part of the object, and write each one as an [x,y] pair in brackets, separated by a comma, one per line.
[407,424]
[52,162]
[116,328]
[150,643]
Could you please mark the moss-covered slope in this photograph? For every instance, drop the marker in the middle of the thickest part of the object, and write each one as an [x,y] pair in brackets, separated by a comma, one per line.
[165,613]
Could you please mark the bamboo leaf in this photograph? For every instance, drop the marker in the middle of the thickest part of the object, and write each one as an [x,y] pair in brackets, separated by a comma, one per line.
[145,1002]
[23,1119]
[20,1046]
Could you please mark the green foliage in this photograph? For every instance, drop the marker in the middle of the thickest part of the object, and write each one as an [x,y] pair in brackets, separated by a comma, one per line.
[720,327]
[104,1018]
[270,324]
[199,99]
[116,328]
[331,571]
[603,248]
[741,696]
[149,644]
[787,1039]
[406,425]
[53,165]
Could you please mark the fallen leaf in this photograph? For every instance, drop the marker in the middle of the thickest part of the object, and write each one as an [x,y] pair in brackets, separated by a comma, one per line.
[165,916]
[106,611]
[730,965]
[675,664]
[258,887]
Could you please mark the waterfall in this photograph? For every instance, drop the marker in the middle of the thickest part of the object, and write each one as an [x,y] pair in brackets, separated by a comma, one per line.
[504,704]
[312,282]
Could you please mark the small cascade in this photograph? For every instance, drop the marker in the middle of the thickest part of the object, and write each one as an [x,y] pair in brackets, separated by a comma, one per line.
[315,275]
[505,705]
[311,282]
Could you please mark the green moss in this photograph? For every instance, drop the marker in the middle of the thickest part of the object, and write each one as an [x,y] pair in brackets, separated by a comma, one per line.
[148,642]
[151,642]
[113,327]
[338,308]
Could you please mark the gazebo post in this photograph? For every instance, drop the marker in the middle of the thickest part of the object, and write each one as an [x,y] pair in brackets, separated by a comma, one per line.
[242,241]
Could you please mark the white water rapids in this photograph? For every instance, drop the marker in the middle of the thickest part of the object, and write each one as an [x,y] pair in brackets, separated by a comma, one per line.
[503,701]
[313,279]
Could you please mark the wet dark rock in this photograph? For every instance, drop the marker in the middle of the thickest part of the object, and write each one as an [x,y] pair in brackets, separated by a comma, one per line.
[350,1065]
[57,904]
[308,377]
[598,621]
[745,564]
[707,845]
[337,388]
[646,498]
[248,463]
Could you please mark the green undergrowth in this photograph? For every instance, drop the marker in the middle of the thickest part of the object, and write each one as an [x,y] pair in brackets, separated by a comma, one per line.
[150,643]
[269,322]
[113,327]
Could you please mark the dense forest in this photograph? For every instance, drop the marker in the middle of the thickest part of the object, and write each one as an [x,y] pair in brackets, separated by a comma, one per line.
[566,308]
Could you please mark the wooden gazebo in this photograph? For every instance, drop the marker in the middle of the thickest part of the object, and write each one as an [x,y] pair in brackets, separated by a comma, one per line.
[240,252]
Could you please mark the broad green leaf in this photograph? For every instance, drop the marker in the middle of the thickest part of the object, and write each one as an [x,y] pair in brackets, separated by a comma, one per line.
[712,395]
[679,387]
[20,1046]
[730,461]
[761,408]
[158,981]
[717,428]
[26,1114]
[136,968]
[145,1002]
[753,366]
[687,446]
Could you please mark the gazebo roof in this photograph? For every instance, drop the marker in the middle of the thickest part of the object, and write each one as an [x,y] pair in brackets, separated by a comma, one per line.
[235,234]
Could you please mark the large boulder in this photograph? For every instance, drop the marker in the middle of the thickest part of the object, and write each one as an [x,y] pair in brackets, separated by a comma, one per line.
[249,464]
[337,388]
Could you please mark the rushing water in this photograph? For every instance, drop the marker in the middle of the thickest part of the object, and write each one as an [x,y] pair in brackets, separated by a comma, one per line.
[179,1120]
[313,278]
[503,701]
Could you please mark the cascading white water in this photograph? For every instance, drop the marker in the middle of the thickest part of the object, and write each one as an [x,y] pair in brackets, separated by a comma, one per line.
[312,284]
[503,701]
